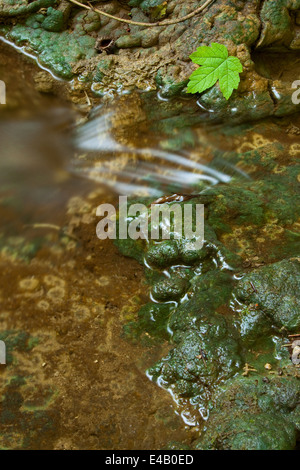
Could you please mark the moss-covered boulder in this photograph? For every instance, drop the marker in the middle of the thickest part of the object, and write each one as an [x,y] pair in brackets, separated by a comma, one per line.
[254,414]
[275,291]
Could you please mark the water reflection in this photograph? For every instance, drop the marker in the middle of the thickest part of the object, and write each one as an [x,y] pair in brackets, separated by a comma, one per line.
[130,157]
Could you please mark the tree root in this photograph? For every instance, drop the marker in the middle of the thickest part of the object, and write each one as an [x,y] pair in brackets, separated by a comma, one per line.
[206,4]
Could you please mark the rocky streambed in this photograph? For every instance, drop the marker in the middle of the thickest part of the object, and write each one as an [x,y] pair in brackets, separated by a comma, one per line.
[88,322]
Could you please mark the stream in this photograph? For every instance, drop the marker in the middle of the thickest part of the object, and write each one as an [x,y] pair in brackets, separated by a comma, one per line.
[66,296]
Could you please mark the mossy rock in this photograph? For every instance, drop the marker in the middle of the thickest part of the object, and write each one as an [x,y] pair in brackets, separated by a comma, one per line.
[253,414]
[275,289]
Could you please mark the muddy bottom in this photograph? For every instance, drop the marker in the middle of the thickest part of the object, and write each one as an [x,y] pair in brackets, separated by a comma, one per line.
[71,380]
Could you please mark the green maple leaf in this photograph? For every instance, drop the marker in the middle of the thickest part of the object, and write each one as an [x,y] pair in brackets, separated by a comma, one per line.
[215,65]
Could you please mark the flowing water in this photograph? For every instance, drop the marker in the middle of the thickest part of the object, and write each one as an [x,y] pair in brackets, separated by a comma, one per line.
[85,384]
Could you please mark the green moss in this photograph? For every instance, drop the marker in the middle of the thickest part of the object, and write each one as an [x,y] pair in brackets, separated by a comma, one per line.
[58,51]
[254,414]
[253,324]
[152,324]
[276,293]
[14,9]
[218,322]
[54,20]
